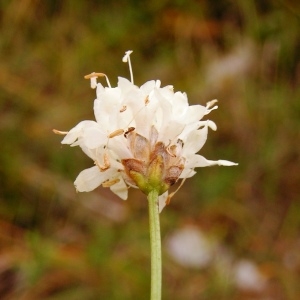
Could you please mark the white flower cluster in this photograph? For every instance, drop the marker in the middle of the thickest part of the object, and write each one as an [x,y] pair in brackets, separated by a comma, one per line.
[138,132]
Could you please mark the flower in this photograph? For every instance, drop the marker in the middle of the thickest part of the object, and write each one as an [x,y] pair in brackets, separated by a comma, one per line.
[144,137]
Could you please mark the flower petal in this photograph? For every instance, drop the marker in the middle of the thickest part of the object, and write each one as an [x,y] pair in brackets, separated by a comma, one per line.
[90,178]
[120,189]
[76,132]
[195,141]
[162,201]
[94,137]
[199,161]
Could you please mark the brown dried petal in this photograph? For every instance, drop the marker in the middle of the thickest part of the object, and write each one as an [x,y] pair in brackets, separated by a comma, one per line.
[132,164]
[139,146]
[153,137]
[159,149]
[173,174]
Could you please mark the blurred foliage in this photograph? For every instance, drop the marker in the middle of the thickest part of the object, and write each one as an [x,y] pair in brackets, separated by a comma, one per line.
[56,244]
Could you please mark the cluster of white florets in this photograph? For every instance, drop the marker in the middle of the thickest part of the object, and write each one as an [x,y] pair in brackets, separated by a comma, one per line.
[145,137]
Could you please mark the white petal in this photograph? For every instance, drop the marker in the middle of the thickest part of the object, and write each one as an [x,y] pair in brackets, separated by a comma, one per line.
[98,111]
[125,85]
[166,109]
[120,189]
[188,129]
[187,173]
[170,131]
[167,92]
[94,137]
[226,163]
[162,201]
[120,147]
[76,131]
[194,113]
[199,161]
[195,141]
[89,179]
[144,115]
[212,125]
[180,102]
[148,87]
[100,89]
[89,152]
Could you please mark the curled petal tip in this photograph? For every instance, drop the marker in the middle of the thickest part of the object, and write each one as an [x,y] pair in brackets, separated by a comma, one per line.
[211,103]
[226,163]
[212,125]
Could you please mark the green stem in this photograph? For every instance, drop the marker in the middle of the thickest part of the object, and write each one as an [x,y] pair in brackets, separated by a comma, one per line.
[156,277]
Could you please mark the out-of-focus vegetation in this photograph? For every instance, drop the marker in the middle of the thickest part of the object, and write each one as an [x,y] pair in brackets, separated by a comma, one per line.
[56,244]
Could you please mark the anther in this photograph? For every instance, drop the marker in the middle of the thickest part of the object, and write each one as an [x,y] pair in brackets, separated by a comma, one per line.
[106,163]
[109,183]
[116,133]
[126,59]
[128,130]
[94,75]
[172,150]
[211,103]
[60,132]
[172,194]
[123,108]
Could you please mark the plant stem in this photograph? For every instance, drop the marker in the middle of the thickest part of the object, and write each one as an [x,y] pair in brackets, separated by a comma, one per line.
[156,277]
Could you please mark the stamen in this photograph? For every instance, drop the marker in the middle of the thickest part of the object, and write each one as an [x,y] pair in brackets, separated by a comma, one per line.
[211,103]
[172,194]
[136,115]
[172,150]
[210,106]
[126,59]
[116,133]
[60,132]
[129,130]
[147,100]
[109,183]
[123,108]
[94,75]
[180,142]
[106,163]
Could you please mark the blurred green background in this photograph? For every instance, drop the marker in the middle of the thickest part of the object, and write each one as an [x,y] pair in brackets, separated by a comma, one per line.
[56,244]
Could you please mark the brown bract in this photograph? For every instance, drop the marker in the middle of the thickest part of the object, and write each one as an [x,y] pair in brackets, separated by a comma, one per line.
[154,166]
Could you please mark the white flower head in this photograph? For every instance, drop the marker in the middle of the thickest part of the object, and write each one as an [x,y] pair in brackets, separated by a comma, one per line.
[145,137]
